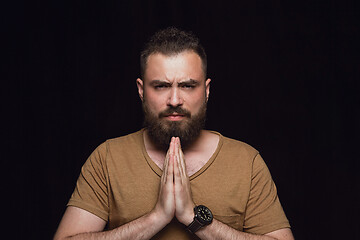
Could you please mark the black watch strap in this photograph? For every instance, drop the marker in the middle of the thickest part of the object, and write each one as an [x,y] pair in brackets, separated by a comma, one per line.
[194,226]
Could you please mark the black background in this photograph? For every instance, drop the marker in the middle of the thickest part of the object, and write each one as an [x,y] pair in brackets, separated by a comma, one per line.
[285,79]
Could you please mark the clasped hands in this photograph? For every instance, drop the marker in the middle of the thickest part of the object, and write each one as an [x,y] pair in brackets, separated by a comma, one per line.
[175,193]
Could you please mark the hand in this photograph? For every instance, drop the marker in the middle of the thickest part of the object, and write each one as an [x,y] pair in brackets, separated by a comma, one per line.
[175,192]
[165,206]
[184,205]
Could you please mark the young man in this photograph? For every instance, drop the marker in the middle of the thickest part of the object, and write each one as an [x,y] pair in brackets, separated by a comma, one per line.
[172,179]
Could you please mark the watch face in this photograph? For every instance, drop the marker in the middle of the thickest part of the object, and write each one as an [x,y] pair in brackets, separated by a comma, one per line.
[204,214]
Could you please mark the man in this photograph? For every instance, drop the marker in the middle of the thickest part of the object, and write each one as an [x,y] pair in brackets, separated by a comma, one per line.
[172,179]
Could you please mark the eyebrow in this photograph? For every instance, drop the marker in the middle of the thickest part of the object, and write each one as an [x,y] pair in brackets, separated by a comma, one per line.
[156,82]
[189,81]
[181,83]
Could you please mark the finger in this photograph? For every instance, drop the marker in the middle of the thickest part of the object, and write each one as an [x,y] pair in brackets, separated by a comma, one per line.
[173,146]
[179,142]
[170,169]
[166,162]
[182,154]
[165,168]
[177,174]
[182,164]
[170,172]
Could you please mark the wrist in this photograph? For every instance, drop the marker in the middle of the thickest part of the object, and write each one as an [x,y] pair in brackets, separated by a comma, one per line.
[187,216]
[159,218]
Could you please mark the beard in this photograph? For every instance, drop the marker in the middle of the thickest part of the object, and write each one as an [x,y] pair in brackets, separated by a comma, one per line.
[161,130]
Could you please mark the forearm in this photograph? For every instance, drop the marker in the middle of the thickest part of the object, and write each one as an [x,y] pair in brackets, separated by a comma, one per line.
[218,230]
[142,228]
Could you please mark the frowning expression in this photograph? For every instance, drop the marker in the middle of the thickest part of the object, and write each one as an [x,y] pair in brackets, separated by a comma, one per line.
[174,87]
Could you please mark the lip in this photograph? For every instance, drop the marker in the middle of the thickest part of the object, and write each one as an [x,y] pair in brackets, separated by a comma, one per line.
[175,117]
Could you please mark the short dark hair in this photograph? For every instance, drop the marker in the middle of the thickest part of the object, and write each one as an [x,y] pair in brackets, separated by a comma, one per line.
[172,41]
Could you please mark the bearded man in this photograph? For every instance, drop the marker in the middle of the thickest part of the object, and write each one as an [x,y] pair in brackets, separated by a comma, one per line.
[173,179]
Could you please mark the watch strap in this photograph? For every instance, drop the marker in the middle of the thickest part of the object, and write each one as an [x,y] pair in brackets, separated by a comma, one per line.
[194,226]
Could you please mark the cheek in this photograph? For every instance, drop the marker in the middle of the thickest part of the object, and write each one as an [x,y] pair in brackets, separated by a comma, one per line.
[196,100]
[155,101]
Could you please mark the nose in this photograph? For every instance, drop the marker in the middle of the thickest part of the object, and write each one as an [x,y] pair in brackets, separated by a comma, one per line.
[175,98]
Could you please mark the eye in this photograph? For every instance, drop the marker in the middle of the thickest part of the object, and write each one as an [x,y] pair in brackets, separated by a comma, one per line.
[188,86]
[161,86]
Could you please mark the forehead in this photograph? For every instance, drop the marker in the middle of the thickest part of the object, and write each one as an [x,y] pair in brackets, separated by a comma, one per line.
[186,64]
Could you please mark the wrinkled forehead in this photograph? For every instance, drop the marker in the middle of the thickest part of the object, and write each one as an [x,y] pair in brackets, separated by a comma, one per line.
[184,65]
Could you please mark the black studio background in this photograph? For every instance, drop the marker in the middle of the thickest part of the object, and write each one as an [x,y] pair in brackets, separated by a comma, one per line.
[285,79]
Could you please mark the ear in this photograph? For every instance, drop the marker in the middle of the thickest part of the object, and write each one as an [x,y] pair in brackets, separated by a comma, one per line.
[207,88]
[140,86]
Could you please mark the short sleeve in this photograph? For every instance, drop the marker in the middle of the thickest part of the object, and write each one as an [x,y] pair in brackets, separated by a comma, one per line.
[91,191]
[264,212]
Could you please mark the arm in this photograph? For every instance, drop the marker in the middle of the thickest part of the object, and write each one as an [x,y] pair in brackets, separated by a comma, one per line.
[81,224]
[216,230]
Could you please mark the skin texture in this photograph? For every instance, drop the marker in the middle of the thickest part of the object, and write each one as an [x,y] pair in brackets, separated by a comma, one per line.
[167,83]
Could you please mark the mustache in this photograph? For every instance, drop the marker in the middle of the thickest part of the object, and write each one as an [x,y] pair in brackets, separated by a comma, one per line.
[172,110]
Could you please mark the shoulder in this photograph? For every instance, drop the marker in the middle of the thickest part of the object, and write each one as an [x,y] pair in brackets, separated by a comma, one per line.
[127,141]
[247,156]
[236,147]
[111,154]
[124,149]
[131,142]
[128,138]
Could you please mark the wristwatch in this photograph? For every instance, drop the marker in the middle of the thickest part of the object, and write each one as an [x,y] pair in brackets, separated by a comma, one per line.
[203,217]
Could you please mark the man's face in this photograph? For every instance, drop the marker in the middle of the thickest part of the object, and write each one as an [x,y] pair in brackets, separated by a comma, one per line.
[174,94]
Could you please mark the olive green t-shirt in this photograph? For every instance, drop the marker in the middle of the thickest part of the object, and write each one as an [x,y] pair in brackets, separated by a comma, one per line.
[119,183]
